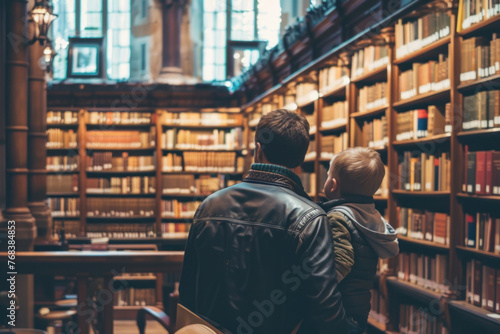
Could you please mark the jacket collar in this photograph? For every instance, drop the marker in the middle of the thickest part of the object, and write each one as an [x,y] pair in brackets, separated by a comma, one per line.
[352,199]
[278,175]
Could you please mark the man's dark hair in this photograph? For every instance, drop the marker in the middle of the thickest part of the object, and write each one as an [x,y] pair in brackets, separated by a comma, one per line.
[284,137]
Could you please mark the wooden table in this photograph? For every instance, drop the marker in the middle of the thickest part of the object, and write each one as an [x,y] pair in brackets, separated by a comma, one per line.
[106,264]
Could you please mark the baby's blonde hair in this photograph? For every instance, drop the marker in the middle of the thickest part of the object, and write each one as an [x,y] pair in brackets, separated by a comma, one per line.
[358,171]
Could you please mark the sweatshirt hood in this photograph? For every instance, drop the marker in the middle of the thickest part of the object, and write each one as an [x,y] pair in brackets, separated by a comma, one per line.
[369,222]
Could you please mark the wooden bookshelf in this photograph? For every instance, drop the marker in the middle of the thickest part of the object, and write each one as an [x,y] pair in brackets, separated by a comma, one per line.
[433,194]
[438,139]
[426,52]
[478,197]
[370,113]
[423,243]
[423,99]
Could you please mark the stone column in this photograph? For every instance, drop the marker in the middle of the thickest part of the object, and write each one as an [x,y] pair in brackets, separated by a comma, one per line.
[37,138]
[171,29]
[16,157]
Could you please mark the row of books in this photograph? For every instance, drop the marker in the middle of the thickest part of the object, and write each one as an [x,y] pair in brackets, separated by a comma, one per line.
[135,297]
[62,117]
[383,191]
[471,12]
[311,119]
[332,77]
[378,309]
[105,161]
[482,286]
[369,59]
[311,150]
[177,209]
[71,228]
[308,182]
[64,163]
[121,139]
[57,138]
[172,162]
[373,96]
[481,110]
[425,172]
[203,140]
[424,77]
[331,145]
[335,114]
[63,206]
[421,123]
[424,225]
[214,162]
[120,117]
[173,228]
[427,271]
[189,184]
[482,232]
[306,92]
[122,185]
[125,207]
[120,230]
[482,172]
[374,133]
[201,119]
[480,58]
[412,34]
[62,183]
[415,319]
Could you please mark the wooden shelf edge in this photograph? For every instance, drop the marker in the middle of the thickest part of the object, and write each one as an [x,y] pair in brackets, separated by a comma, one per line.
[479,26]
[423,98]
[479,197]
[369,113]
[471,85]
[369,75]
[475,314]
[479,133]
[409,289]
[480,253]
[445,137]
[426,49]
[424,243]
[420,193]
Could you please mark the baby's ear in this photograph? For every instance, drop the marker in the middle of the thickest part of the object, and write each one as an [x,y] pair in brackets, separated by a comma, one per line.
[335,184]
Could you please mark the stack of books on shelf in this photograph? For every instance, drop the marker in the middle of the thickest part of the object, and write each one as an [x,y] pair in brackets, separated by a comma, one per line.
[427,271]
[63,206]
[422,123]
[311,150]
[213,162]
[120,117]
[331,78]
[369,59]
[482,286]
[480,58]
[123,208]
[413,34]
[66,163]
[121,139]
[201,119]
[415,319]
[424,225]
[312,123]
[135,297]
[331,145]
[374,133]
[178,184]
[481,110]
[172,162]
[71,228]
[425,172]
[122,185]
[120,231]
[62,117]
[105,161]
[171,229]
[62,183]
[335,114]
[471,12]
[306,93]
[482,232]
[177,209]
[482,172]
[422,78]
[372,97]
[58,138]
[378,310]
[203,140]
[308,182]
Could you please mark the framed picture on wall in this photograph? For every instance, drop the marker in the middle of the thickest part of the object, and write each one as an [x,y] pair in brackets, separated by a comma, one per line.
[85,58]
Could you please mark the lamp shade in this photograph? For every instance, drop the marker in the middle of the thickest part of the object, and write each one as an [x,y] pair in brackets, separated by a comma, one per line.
[42,16]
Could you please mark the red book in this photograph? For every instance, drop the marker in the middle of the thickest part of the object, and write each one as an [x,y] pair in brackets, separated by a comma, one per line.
[464,184]
[440,220]
[495,173]
[480,172]
[488,172]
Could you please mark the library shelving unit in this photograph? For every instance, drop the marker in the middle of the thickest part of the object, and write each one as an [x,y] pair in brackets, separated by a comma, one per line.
[408,90]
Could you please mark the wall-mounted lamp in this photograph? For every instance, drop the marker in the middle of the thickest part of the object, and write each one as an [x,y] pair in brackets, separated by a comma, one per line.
[42,17]
[48,56]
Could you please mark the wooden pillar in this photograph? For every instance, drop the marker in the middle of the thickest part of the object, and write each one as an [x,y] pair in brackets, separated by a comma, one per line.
[171,39]
[16,127]
[2,106]
[37,138]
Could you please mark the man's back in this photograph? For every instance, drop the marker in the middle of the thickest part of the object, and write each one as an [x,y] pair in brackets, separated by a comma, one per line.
[259,259]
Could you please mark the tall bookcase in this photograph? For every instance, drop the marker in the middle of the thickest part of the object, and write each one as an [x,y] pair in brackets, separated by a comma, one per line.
[418,72]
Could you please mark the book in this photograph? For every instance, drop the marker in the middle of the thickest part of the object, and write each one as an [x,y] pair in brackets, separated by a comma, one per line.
[372,96]
[369,59]
[332,77]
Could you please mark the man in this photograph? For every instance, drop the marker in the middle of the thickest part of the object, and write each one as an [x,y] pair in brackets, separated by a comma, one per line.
[259,257]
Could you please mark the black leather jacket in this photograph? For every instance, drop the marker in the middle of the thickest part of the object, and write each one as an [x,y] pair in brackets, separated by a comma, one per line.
[259,260]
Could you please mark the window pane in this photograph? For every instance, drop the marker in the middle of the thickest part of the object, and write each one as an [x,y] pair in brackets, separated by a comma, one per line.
[242,5]
[242,26]
[118,37]
[220,39]
[208,20]
[269,21]
[208,72]
[208,38]
[220,56]
[220,73]
[221,20]
[209,56]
